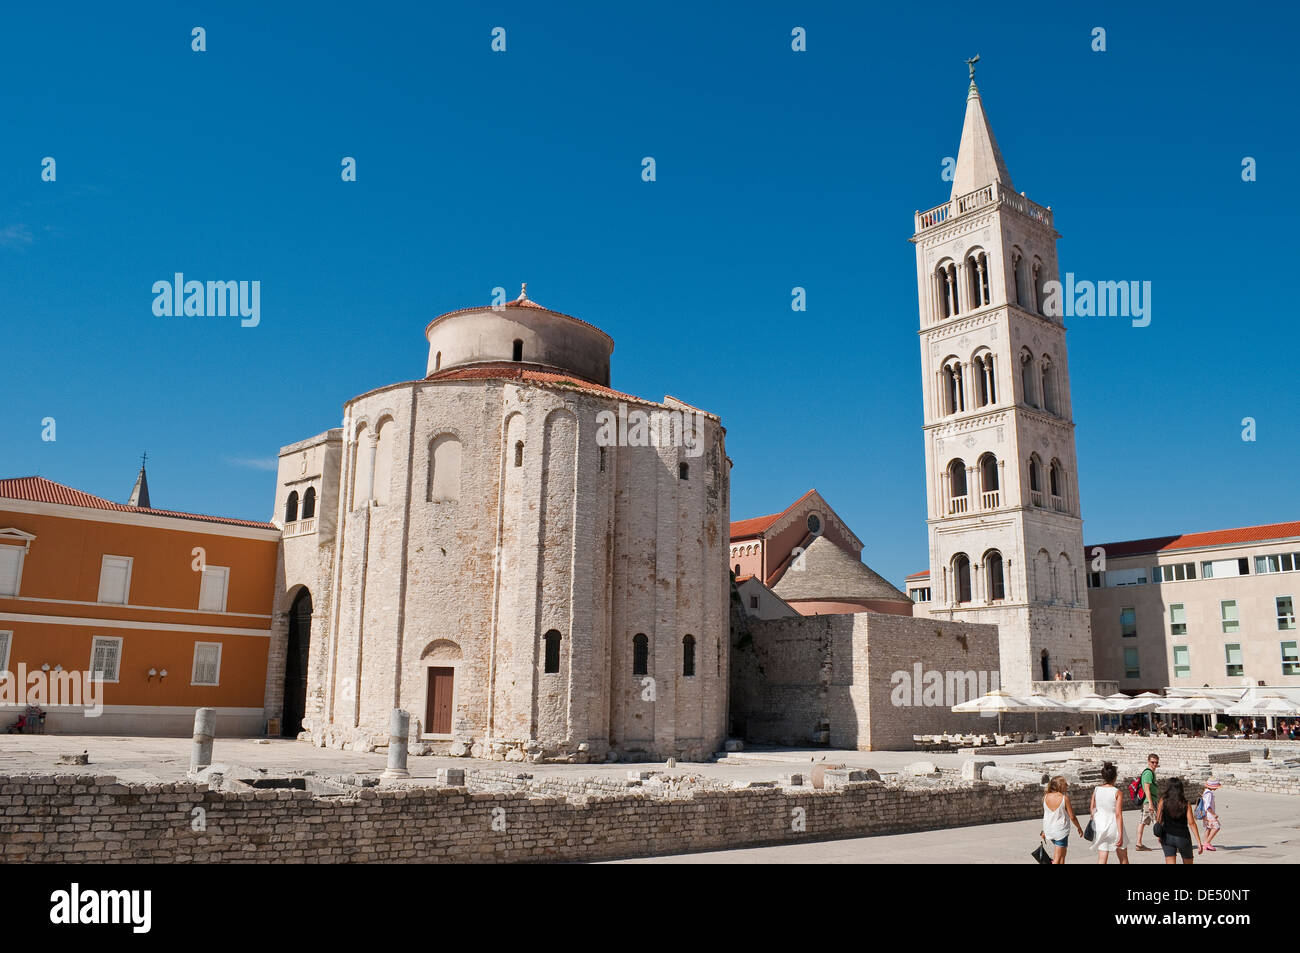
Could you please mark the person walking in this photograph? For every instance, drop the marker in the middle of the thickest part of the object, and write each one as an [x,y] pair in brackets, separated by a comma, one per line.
[1058,815]
[1150,791]
[1107,812]
[1175,815]
[1208,810]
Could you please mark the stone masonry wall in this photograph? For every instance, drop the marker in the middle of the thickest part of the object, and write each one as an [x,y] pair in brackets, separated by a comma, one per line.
[79,819]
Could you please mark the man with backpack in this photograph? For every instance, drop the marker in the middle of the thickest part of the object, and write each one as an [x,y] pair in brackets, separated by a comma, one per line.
[1149,795]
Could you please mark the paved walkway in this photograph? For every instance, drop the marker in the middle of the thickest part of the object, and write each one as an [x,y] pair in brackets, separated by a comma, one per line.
[1257,829]
[168,759]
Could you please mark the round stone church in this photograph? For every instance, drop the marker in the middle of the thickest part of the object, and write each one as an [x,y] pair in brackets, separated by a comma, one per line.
[531,564]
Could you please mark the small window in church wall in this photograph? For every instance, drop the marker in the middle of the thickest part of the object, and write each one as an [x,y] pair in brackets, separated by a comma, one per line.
[291,508]
[602,459]
[552,645]
[519,453]
[437,361]
[640,654]
[683,471]
[444,469]
[518,352]
[688,656]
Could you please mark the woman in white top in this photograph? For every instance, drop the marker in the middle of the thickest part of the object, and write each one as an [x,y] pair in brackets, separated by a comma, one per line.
[1058,815]
[1108,817]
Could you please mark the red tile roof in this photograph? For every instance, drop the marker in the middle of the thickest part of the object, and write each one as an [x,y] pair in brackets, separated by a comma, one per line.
[36,489]
[1219,537]
[757,525]
[509,370]
[923,574]
[745,578]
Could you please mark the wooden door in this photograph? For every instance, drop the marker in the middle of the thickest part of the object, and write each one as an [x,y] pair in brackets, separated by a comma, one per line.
[437,710]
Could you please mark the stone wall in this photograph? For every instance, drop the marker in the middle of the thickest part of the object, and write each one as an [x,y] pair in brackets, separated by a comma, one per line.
[79,819]
[866,681]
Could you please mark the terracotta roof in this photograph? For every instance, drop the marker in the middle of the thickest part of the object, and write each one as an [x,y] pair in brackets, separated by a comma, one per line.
[36,489]
[510,370]
[740,579]
[1219,537]
[757,525]
[923,574]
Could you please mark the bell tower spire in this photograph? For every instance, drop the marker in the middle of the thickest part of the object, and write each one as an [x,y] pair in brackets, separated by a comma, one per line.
[979,161]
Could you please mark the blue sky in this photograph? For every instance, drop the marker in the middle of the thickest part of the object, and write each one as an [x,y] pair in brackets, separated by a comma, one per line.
[775,169]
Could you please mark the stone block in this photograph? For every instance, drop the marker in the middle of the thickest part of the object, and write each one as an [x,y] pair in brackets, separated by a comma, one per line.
[973,770]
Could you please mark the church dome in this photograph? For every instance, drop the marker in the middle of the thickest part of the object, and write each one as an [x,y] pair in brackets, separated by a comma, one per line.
[521,332]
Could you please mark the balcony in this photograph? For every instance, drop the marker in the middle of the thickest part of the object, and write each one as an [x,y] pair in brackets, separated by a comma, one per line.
[996,194]
[1036,497]
[990,499]
[1058,504]
[958,505]
[300,528]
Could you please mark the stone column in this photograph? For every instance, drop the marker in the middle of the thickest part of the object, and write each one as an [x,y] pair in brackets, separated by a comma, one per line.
[399,726]
[205,726]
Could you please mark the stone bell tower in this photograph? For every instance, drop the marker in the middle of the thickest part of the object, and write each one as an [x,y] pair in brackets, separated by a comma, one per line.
[1006,537]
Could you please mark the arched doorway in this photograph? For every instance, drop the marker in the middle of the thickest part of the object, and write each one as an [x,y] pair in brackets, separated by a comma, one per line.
[295,665]
[1047,666]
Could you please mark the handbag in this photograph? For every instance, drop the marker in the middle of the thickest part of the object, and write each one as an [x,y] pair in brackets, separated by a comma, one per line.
[1159,830]
[1090,831]
[1040,853]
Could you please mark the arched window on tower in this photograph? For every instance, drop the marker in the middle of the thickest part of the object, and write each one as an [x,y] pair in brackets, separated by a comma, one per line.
[957,502]
[961,577]
[981,367]
[1035,480]
[437,361]
[1028,377]
[291,508]
[977,275]
[1057,476]
[640,654]
[309,503]
[1018,275]
[517,353]
[954,396]
[995,582]
[444,469]
[990,491]
[1049,385]
[1038,276]
[519,453]
[552,645]
[946,290]
[688,656]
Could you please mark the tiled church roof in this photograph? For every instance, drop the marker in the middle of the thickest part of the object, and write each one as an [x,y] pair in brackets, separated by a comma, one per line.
[831,573]
[36,489]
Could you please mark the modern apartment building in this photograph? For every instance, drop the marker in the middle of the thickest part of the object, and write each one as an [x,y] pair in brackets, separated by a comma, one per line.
[1215,608]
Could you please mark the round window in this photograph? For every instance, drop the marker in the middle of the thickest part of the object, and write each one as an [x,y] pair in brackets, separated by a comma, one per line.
[814,524]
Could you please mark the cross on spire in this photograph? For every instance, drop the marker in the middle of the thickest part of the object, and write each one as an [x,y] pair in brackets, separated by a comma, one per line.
[971,64]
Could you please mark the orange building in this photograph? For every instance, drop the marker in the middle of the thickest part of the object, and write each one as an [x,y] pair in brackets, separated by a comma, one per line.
[174,609]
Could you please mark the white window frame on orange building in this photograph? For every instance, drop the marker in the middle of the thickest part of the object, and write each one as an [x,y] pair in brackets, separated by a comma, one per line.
[225,586]
[90,666]
[126,584]
[9,540]
[194,666]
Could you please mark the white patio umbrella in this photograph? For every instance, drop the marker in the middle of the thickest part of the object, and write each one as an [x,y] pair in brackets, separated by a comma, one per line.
[998,700]
[1093,704]
[1193,705]
[1146,703]
[1039,702]
[1268,706]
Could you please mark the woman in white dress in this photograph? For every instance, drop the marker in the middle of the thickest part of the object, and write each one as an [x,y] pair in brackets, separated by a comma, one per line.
[1058,815]
[1108,817]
